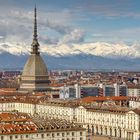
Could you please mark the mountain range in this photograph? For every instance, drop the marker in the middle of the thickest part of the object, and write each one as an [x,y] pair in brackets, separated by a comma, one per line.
[99,55]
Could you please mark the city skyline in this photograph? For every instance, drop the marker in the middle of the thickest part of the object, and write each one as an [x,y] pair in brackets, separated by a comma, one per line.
[81,74]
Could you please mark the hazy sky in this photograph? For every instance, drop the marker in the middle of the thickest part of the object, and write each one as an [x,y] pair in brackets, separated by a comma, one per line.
[71,21]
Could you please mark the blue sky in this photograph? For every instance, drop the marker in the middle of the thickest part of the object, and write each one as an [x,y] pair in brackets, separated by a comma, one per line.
[72,21]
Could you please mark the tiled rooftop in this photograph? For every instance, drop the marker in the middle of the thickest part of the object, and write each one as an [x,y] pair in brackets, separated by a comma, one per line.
[14,123]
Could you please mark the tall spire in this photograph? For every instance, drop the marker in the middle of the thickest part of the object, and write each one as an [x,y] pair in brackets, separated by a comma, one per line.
[35,24]
[35,44]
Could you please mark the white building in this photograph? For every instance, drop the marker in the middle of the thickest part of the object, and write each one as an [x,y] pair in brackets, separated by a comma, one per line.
[70,92]
[114,89]
[134,102]
[117,122]
[134,91]
[78,91]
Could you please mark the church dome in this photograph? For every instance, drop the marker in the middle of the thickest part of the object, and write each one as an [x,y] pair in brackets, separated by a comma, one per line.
[35,66]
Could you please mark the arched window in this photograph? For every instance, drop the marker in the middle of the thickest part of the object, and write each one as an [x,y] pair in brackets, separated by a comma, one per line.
[42,135]
[106,131]
[110,132]
[11,137]
[2,137]
[115,132]
[120,133]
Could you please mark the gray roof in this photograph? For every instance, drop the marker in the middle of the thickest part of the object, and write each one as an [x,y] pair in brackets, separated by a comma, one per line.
[35,66]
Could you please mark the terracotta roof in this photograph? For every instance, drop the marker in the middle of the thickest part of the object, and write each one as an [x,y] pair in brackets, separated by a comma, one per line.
[16,123]
[19,123]
[7,89]
[134,86]
[137,111]
[94,99]
[113,109]
[56,85]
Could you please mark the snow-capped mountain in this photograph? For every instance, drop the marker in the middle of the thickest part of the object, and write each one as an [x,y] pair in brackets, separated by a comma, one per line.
[14,48]
[76,56]
[103,49]
[98,49]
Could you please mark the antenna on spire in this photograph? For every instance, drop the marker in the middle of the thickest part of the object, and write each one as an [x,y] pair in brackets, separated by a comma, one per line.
[35,24]
[35,43]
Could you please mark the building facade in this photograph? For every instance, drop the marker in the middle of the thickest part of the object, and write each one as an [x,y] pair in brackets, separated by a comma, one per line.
[114,89]
[134,91]
[116,122]
[70,92]
[134,102]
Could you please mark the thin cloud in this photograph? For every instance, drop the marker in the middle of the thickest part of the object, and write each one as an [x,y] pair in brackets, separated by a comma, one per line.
[109,9]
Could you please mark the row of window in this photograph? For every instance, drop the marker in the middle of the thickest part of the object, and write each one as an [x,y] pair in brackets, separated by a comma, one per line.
[63,134]
[27,136]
